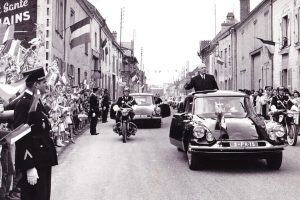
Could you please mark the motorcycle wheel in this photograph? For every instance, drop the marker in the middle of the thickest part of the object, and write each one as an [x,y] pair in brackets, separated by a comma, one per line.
[124,132]
[292,135]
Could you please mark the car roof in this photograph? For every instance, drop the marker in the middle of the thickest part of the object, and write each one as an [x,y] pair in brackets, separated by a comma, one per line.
[213,93]
[141,94]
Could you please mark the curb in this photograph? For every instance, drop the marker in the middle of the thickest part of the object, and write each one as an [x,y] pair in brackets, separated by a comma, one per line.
[60,150]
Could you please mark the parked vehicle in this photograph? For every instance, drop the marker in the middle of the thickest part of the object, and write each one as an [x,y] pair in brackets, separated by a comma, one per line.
[224,125]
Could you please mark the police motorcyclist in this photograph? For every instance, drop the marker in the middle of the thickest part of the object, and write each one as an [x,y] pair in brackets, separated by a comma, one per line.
[281,102]
[125,101]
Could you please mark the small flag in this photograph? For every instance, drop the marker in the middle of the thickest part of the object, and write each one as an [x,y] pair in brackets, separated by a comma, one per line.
[270,45]
[80,32]
[8,34]
[17,133]
[11,47]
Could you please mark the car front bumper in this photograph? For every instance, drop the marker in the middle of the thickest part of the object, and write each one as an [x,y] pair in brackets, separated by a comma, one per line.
[146,117]
[218,151]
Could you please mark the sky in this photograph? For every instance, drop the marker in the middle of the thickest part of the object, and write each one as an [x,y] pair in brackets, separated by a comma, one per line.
[169,31]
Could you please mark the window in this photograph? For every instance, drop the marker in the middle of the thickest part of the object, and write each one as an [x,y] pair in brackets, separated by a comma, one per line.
[72,17]
[47,56]
[59,13]
[225,57]
[47,33]
[298,26]
[229,56]
[285,31]
[95,40]
[78,76]
[48,11]
[86,48]
[47,44]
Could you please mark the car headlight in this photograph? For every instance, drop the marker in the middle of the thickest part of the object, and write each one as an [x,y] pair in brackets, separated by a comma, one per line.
[199,132]
[209,137]
[279,130]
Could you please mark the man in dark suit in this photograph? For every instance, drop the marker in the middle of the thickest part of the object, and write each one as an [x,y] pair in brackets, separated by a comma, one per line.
[94,112]
[105,105]
[35,152]
[202,81]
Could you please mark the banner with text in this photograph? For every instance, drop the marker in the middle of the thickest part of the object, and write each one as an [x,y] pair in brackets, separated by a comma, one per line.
[22,15]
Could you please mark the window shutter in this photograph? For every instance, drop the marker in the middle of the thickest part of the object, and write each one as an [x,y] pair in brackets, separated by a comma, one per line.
[296,22]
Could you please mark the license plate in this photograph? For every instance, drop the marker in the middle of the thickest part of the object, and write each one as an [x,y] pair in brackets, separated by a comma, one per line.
[142,115]
[243,144]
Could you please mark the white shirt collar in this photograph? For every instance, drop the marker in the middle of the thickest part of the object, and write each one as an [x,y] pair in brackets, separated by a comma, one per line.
[29,92]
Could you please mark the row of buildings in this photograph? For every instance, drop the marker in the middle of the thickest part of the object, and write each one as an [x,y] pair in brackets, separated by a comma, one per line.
[261,49]
[102,62]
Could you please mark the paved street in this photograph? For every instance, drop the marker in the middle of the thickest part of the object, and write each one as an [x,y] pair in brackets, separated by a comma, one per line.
[149,167]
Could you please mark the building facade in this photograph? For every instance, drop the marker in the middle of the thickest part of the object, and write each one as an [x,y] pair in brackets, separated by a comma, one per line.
[286,35]
[254,61]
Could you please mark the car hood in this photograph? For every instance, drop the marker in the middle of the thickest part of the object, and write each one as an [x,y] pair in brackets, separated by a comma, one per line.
[231,128]
[144,110]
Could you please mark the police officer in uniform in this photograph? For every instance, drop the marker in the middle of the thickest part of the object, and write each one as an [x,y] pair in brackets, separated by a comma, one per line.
[35,152]
[94,111]
[125,101]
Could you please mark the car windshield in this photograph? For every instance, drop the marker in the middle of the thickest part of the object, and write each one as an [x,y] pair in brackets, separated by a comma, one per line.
[230,106]
[143,100]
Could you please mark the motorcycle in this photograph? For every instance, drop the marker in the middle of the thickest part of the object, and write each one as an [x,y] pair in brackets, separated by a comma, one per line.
[286,119]
[125,127]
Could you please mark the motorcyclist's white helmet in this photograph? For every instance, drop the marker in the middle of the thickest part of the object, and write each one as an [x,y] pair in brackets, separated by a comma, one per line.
[126,89]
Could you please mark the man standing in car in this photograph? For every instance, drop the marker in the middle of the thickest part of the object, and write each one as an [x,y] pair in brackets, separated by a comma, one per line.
[202,81]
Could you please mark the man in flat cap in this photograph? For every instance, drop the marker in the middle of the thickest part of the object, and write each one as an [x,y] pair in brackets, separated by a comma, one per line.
[94,112]
[35,152]
[202,81]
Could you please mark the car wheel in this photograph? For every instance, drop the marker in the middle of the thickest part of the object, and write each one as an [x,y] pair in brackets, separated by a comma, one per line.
[274,161]
[194,161]
[179,149]
[158,123]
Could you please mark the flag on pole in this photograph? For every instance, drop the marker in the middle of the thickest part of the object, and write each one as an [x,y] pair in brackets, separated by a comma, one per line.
[11,47]
[80,32]
[7,33]
[270,45]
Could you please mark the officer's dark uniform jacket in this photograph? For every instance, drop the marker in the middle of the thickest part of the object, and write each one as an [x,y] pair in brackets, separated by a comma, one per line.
[281,102]
[123,100]
[36,149]
[94,105]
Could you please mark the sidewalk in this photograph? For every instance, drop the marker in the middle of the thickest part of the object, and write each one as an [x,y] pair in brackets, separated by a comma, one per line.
[60,150]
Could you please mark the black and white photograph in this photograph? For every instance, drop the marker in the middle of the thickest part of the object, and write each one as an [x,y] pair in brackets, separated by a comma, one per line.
[149,100]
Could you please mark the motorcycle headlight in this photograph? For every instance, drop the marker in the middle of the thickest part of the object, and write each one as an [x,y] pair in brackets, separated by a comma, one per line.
[279,130]
[272,135]
[199,132]
[157,110]
[125,112]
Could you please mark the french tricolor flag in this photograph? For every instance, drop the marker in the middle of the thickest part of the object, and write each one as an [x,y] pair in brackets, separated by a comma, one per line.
[80,32]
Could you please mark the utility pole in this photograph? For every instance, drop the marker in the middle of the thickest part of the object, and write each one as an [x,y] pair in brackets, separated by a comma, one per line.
[215,19]
[142,68]
[121,26]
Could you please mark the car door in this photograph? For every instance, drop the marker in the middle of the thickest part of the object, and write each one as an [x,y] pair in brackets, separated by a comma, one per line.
[178,123]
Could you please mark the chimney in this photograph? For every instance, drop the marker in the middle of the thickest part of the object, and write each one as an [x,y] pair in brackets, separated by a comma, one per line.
[115,34]
[244,9]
